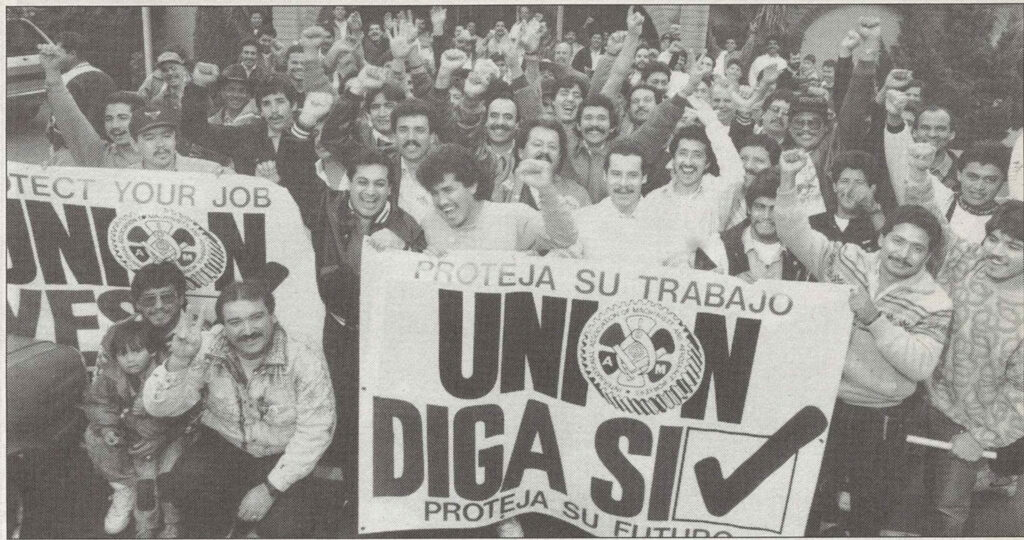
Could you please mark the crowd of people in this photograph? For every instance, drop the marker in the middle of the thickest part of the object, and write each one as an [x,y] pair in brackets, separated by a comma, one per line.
[413,133]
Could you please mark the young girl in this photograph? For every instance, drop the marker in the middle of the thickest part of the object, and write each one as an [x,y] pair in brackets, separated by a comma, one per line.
[128,446]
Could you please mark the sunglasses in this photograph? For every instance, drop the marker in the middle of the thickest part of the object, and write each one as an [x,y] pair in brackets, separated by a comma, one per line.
[149,300]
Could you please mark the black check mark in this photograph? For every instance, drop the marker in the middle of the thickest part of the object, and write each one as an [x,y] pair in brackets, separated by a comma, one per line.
[721,494]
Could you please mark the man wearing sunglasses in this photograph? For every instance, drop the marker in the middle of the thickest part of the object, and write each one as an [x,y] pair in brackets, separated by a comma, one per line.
[158,295]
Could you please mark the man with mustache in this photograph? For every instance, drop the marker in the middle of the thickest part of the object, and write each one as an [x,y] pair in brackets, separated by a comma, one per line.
[542,139]
[977,391]
[858,216]
[249,146]
[116,149]
[267,416]
[775,118]
[612,230]
[413,122]
[339,221]
[154,131]
[934,125]
[901,319]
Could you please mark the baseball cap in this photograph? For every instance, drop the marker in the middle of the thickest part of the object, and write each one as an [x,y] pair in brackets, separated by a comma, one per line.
[169,56]
[152,116]
[807,103]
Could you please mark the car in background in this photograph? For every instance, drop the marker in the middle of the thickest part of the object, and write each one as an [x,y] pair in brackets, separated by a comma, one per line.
[45,423]
[26,82]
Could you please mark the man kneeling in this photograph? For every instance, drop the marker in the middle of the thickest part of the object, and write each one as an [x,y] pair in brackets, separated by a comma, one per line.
[268,415]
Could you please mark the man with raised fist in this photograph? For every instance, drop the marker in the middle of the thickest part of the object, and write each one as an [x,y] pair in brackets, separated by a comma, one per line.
[901,317]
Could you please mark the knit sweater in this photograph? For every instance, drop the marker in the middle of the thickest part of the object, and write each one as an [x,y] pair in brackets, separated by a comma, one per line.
[887,358]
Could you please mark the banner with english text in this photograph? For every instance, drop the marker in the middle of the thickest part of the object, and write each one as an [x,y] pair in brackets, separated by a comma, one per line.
[76,236]
[627,401]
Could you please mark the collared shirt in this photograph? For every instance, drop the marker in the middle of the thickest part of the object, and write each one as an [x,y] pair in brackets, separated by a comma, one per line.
[413,197]
[587,166]
[765,260]
[607,234]
[248,115]
[285,406]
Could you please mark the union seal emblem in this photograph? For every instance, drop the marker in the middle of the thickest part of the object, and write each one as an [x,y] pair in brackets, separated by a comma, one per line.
[140,238]
[640,357]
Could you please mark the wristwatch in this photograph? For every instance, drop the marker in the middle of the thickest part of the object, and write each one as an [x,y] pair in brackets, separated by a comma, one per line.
[274,492]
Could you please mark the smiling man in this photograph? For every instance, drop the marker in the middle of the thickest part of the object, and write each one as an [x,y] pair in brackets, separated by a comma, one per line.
[977,391]
[247,145]
[267,416]
[154,130]
[901,317]
[461,221]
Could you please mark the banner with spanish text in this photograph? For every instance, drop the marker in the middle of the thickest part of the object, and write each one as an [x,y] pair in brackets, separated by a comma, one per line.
[76,236]
[625,401]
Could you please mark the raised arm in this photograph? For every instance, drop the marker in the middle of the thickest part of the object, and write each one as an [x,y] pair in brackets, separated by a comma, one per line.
[854,119]
[811,247]
[554,226]
[296,159]
[78,133]
[176,386]
[624,60]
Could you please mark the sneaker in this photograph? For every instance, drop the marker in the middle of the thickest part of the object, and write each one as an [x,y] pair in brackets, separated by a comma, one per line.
[170,531]
[120,512]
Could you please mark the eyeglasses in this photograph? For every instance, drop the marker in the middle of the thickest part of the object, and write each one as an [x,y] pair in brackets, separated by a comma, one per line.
[149,300]
[808,123]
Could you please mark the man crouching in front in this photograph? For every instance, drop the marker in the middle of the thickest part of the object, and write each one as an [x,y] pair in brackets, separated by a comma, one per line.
[267,416]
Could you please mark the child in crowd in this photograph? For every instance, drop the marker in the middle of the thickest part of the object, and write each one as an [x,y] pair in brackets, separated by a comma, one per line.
[126,444]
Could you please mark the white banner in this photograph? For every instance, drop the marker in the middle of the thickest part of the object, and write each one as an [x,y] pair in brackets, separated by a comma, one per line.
[623,401]
[76,236]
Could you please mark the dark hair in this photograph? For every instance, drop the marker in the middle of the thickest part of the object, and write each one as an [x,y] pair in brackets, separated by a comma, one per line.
[72,42]
[695,133]
[294,49]
[247,42]
[274,84]
[936,108]
[366,156]
[914,83]
[599,100]
[1008,219]
[810,58]
[780,95]
[390,91]
[656,67]
[267,30]
[498,89]
[570,81]
[918,217]
[734,61]
[129,98]
[413,107]
[448,158]
[157,276]
[546,123]
[128,336]
[765,184]
[252,290]
[626,146]
[764,141]
[857,160]
[986,153]
[829,63]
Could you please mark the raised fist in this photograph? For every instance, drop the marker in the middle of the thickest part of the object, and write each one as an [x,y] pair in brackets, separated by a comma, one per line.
[634,21]
[185,344]
[791,161]
[535,172]
[850,41]
[312,37]
[205,74]
[315,108]
[476,84]
[870,28]
[438,16]
[615,42]
[920,156]
[49,58]
[898,78]
[895,101]
[452,59]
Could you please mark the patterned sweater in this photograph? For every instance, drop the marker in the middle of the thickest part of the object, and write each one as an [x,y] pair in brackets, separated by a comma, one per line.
[979,382]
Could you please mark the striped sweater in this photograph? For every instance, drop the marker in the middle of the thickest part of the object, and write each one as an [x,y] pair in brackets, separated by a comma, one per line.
[886,359]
